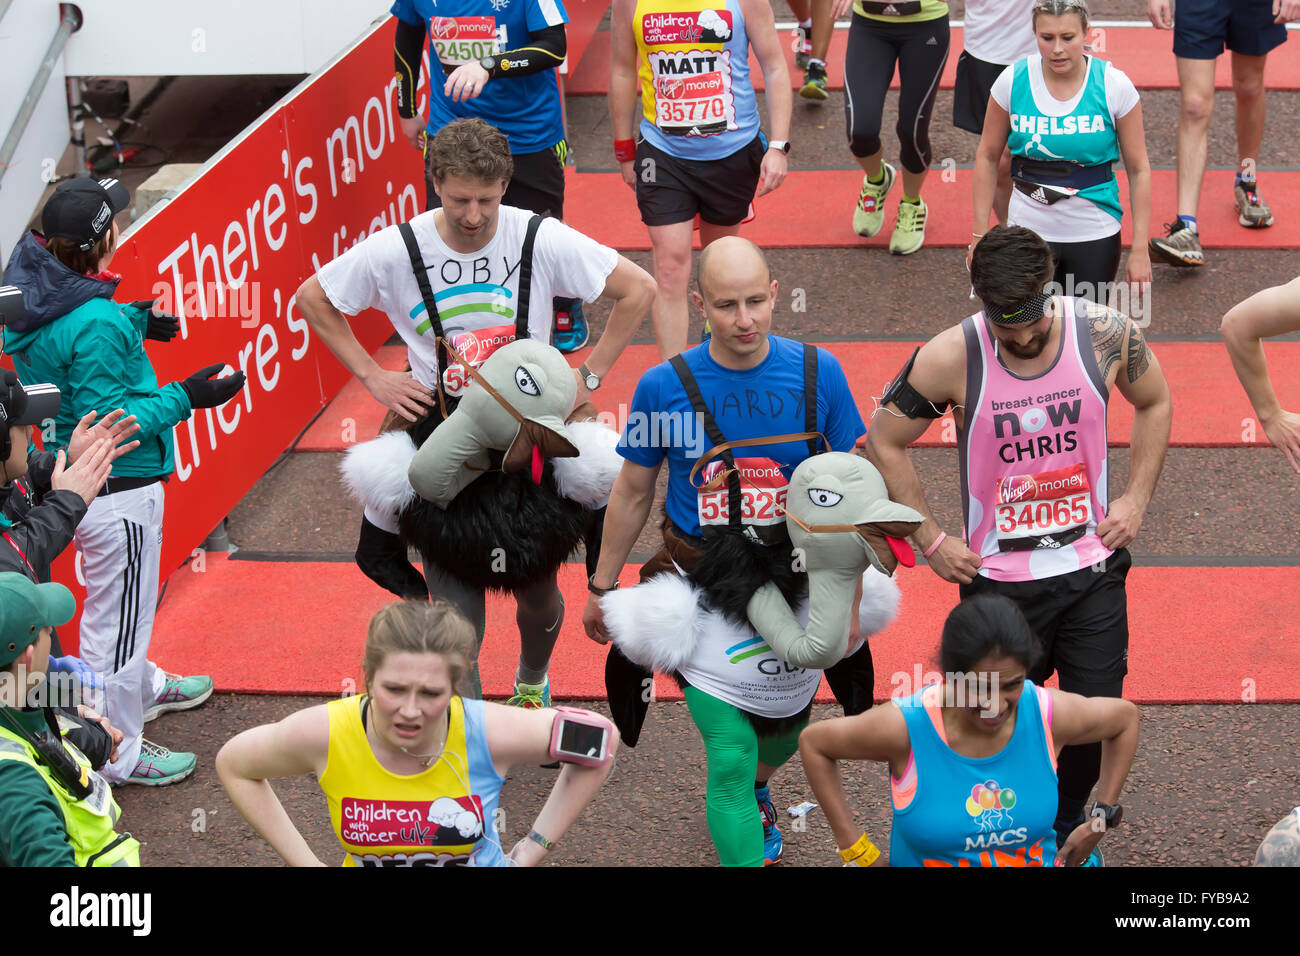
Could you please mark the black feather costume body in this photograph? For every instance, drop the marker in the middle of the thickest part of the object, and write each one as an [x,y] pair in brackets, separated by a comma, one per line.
[502,532]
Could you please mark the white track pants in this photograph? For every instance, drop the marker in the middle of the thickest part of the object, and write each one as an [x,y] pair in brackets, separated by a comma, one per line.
[120,540]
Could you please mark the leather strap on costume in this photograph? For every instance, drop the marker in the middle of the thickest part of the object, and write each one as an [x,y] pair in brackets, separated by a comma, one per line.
[421,272]
[722,448]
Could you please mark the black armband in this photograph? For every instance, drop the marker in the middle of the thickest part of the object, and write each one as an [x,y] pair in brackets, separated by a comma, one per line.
[909,401]
[408,49]
[545,51]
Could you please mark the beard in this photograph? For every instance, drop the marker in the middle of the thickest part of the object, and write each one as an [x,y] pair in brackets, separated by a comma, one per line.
[1031,350]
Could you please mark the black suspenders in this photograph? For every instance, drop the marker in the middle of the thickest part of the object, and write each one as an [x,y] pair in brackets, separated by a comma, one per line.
[734,497]
[426,291]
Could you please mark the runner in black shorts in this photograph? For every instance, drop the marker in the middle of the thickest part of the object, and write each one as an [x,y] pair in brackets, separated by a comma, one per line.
[915,37]
[717,190]
[1202,30]
[694,145]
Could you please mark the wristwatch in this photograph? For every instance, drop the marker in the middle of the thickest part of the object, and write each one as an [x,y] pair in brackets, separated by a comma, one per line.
[597,590]
[589,378]
[488,63]
[1113,816]
[782,144]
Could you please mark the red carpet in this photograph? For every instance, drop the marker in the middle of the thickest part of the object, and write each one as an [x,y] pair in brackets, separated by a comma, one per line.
[1146,55]
[1210,409]
[299,628]
[814,209]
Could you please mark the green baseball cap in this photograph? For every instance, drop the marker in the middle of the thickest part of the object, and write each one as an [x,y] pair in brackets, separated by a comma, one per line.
[25,608]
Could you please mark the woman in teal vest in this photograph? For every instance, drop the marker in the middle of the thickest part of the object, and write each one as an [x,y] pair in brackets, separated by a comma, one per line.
[972,760]
[1067,117]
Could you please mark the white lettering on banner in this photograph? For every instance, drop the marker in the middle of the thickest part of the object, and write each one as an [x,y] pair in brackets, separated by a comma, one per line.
[1057,125]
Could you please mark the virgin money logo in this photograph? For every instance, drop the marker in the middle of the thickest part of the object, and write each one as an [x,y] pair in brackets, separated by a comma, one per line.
[443,28]
[1017,488]
[671,88]
[467,345]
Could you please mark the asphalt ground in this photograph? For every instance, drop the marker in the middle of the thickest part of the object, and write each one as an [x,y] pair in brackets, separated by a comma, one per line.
[1208,781]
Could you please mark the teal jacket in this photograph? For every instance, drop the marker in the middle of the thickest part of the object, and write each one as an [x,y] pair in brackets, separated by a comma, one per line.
[74,335]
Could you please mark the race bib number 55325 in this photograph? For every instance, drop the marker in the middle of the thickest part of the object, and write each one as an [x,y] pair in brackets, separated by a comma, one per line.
[762,489]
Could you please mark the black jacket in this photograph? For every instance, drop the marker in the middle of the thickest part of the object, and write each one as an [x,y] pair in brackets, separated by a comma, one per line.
[37,522]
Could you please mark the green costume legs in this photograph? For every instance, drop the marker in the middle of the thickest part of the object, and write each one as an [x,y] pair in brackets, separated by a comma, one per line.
[733,751]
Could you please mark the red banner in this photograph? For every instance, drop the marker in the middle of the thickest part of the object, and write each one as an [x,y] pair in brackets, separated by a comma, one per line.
[324,169]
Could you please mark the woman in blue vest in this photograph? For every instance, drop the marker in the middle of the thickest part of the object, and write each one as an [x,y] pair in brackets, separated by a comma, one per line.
[1067,117]
[972,760]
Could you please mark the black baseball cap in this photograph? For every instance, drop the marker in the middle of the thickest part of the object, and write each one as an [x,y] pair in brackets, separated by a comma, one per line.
[83,210]
[26,404]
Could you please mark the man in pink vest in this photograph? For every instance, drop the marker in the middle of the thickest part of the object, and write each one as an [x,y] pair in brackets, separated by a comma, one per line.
[1028,377]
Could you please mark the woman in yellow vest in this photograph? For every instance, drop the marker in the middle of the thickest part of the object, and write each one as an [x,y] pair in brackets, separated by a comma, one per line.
[54,809]
[411,770]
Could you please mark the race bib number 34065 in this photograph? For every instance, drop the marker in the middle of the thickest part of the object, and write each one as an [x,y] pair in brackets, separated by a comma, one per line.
[1043,510]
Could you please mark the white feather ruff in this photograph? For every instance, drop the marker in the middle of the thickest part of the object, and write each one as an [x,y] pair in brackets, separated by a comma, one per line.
[588,478]
[375,472]
[880,599]
[655,624]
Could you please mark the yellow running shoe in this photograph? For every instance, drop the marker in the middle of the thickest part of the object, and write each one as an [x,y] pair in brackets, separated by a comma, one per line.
[869,214]
[909,231]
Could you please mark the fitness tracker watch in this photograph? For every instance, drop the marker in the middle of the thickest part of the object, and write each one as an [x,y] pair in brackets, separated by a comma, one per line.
[1112,816]
[782,144]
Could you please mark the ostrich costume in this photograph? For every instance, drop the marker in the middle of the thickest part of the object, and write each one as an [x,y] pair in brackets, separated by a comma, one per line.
[842,528]
[500,491]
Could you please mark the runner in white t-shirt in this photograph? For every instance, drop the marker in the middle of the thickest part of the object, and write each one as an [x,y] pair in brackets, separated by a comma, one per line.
[473,252]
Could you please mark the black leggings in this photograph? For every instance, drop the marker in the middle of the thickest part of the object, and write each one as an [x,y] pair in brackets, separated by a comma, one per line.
[920,50]
[1086,269]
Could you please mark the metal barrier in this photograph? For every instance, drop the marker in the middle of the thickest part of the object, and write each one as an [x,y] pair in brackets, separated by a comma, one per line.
[69,24]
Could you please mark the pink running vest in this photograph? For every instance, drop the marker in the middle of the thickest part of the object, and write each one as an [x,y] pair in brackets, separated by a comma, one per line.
[1033,456]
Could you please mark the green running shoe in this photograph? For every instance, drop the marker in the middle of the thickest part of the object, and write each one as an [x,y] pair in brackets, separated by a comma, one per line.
[180,693]
[909,231]
[814,82]
[158,767]
[802,46]
[531,696]
[869,214]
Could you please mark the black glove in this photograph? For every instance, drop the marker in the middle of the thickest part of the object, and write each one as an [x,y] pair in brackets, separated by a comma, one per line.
[206,392]
[162,326]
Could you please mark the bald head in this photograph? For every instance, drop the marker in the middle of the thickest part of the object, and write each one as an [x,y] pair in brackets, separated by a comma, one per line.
[731,255]
[1281,845]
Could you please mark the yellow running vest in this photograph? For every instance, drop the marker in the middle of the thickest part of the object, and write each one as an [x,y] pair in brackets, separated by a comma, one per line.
[385,819]
[89,822]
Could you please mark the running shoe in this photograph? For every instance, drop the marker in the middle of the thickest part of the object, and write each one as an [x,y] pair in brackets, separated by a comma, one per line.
[772,843]
[1094,859]
[571,331]
[158,767]
[814,82]
[801,43]
[531,696]
[1252,212]
[1179,247]
[179,693]
[909,231]
[869,213]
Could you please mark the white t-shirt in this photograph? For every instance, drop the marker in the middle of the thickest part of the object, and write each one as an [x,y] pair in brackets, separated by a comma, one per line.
[1073,219]
[999,31]
[475,292]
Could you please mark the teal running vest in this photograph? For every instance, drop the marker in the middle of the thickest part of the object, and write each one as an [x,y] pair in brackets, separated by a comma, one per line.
[965,811]
[1086,135]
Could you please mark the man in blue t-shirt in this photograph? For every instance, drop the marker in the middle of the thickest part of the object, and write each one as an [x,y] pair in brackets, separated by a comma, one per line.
[752,384]
[494,59]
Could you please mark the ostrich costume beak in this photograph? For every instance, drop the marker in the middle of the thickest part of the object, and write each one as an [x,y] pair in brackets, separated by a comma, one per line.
[841,523]
[516,404]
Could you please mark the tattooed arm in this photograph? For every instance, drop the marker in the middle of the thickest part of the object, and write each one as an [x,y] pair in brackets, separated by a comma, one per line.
[1121,349]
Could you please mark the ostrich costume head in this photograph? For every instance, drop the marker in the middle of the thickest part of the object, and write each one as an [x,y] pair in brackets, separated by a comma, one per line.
[500,492]
[843,528]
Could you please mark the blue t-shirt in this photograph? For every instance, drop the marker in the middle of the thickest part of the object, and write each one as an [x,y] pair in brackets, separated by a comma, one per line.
[526,108]
[765,400]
